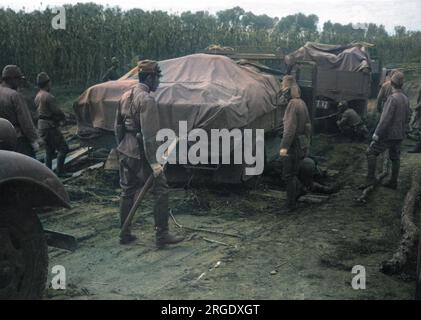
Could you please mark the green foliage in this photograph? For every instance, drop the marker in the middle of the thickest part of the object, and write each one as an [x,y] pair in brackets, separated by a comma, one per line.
[81,53]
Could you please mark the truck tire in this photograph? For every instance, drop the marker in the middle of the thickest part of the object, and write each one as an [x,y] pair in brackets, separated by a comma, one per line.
[23,254]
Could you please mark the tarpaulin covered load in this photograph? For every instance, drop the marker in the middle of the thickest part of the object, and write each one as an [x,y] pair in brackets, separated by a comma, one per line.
[351,57]
[207,91]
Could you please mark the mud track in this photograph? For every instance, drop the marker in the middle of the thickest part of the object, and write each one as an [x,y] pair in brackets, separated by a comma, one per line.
[308,254]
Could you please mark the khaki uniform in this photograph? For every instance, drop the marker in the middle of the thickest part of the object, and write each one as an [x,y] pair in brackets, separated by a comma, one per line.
[296,139]
[391,130]
[351,124]
[49,117]
[136,126]
[13,108]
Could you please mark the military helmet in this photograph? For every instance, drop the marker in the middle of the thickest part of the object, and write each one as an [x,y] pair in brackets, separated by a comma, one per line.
[114,61]
[397,79]
[307,167]
[42,78]
[11,72]
[8,135]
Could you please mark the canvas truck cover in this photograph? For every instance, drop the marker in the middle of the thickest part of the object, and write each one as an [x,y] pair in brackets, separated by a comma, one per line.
[331,57]
[207,91]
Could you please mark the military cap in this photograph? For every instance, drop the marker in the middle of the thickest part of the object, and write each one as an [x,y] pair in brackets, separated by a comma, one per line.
[397,79]
[148,66]
[12,72]
[42,78]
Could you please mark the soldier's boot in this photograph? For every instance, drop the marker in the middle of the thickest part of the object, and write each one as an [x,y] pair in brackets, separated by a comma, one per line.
[60,166]
[162,235]
[393,182]
[371,172]
[125,206]
[416,149]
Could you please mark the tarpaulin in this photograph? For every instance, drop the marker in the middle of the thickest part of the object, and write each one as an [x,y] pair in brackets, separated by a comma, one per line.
[207,91]
[351,57]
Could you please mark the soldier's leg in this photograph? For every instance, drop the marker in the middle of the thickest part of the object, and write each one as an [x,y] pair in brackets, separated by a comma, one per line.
[62,148]
[129,183]
[372,153]
[394,156]
[290,172]
[49,149]
[161,211]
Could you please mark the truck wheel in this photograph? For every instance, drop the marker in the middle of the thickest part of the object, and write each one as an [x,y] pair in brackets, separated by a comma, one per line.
[23,254]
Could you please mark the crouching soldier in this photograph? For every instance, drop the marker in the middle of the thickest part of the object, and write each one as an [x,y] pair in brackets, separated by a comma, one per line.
[295,140]
[350,123]
[309,176]
[136,126]
[49,118]
[390,132]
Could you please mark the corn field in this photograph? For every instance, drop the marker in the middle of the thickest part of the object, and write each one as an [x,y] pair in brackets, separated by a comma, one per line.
[82,52]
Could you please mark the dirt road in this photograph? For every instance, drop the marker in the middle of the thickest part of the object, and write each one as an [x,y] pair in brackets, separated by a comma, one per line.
[308,254]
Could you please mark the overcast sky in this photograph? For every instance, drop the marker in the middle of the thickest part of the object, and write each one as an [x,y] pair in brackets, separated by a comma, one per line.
[387,12]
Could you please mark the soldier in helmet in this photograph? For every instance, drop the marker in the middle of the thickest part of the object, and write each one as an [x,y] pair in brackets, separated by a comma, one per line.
[13,108]
[309,176]
[111,74]
[50,116]
[7,135]
[350,123]
[295,142]
[136,126]
[390,132]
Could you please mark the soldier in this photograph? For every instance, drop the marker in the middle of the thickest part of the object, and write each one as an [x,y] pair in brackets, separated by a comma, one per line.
[50,116]
[416,125]
[111,74]
[390,132]
[136,126]
[385,91]
[308,175]
[13,108]
[295,140]
[350,123]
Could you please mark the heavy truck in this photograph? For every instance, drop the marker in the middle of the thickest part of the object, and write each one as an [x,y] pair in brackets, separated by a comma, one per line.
[221,88]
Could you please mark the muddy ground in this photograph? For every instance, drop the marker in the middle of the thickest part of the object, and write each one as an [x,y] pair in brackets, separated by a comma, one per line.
[308,254]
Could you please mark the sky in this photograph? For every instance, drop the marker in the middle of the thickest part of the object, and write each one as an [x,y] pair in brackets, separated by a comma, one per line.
[387,12]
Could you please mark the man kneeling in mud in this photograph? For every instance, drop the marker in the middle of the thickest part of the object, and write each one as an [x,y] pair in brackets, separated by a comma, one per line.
[136,126]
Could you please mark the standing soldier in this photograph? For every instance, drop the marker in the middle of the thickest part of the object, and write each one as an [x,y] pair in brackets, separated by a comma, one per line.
[111,74]
[390,132]
[350,123]
[136,126]
[295,140]
[416,125]
[50,116]
[13,108]
[385,91]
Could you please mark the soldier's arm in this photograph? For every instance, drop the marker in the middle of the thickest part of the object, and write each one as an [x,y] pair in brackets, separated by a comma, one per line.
[290,127]
[24,118]
[343,120]
[386,118]
[149,122]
